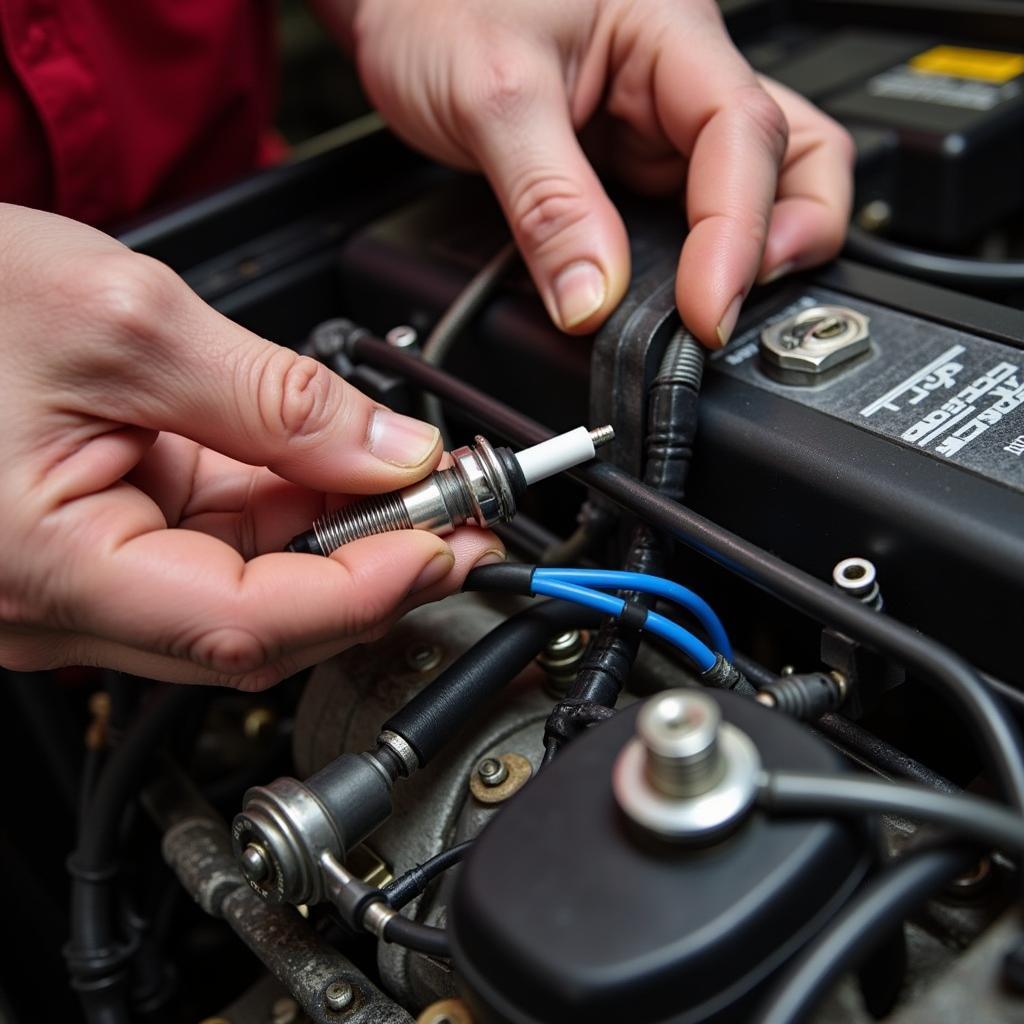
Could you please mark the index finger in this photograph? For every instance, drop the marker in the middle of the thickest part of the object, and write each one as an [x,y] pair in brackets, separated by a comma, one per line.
[713,108]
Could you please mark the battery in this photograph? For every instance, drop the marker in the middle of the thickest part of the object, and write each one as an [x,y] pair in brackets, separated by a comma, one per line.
[939,126]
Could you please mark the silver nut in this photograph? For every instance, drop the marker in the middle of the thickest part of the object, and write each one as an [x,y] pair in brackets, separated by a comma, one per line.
[816,339]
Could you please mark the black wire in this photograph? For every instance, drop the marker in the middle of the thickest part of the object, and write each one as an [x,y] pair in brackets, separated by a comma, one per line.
[95,955]
[864,746]
[850,936]
[668,447]
[406,887]
[431,718]
[856,795]
[955,271]
[424,938]
[994,734]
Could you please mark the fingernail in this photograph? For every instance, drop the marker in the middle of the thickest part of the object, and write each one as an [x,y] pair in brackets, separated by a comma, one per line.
[780,271]
[434,571]
[579,293]
[400,440]
[728,322]
[490,557]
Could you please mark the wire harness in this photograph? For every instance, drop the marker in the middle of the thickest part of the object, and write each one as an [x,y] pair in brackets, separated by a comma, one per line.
[581,586]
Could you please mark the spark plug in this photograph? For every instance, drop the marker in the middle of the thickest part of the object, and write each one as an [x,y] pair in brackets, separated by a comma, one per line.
[481,488]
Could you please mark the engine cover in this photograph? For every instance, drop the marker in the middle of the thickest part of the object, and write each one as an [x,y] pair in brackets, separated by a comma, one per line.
[563,913]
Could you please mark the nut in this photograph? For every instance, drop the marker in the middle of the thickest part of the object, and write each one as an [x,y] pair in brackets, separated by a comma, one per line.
[816,339]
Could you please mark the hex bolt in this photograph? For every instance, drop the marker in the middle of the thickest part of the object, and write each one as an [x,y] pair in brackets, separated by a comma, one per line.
[339,996]
[679,732]
[492,771]
[255,863]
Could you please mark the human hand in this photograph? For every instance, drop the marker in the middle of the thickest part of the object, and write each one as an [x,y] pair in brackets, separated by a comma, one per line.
[665,98]
[140,528]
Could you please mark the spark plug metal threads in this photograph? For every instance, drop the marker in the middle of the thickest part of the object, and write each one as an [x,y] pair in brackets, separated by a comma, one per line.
[481,488]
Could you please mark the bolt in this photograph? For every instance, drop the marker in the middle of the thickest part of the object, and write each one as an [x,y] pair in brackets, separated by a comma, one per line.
[255,863]
[284,1011]
[491,771]
[561,658]
[787,670]
[402,336]
[680,734]
[423,657]
[338,996]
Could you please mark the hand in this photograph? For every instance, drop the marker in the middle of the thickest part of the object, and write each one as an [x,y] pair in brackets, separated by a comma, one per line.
[140,529]
[665,98]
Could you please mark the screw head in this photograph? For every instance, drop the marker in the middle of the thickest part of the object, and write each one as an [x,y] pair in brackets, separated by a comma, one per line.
[491,771]
[255,863]
[338,996]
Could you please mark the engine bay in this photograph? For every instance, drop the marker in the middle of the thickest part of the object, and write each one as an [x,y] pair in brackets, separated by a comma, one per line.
[733,735]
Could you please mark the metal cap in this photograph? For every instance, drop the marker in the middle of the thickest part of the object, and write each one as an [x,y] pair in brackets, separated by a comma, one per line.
[687,776]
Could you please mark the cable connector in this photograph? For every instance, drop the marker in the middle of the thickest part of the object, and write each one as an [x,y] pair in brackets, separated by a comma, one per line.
[481,488]
[805,697]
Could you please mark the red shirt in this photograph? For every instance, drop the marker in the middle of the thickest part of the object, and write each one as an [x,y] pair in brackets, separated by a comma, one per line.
[108,107]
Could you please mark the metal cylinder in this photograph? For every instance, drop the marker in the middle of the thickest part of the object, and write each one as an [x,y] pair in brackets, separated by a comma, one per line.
[858,578]
[679,732]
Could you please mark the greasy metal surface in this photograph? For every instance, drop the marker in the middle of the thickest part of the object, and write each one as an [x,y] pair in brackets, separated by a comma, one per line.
[199,852]
[297,956]
[343,707]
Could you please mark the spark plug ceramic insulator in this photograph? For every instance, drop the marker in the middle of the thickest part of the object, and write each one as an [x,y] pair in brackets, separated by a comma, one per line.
[481,488]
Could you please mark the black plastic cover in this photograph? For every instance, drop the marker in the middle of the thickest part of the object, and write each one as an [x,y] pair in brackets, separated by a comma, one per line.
[561,913]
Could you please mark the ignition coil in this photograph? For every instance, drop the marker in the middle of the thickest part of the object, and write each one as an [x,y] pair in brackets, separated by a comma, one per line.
[481,488]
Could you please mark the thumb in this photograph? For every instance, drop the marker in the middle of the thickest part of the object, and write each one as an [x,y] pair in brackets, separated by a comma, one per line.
[204,377]
[569,233]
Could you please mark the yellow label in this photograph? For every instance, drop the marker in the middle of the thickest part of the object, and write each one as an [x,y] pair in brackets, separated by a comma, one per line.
[960,62]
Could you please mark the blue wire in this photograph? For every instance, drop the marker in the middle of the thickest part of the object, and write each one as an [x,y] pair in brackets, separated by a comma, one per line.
[697,651]
[618,580]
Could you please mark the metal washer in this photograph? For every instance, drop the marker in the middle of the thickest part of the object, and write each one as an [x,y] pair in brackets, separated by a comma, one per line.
[695,819]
